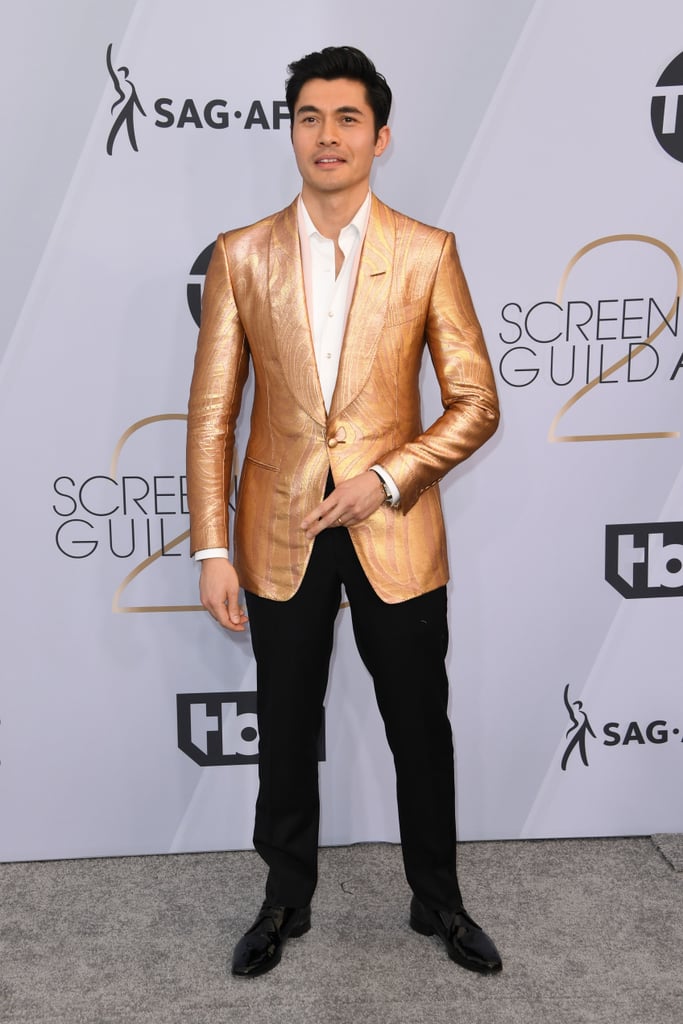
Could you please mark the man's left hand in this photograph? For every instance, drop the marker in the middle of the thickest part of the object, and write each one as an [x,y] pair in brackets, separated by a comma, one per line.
[348,504]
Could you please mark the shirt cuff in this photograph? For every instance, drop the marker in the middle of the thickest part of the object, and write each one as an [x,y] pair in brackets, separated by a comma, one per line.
[391,485]
[211,553]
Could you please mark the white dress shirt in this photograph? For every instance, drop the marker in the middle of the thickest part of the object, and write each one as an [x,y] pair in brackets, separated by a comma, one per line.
[328,295]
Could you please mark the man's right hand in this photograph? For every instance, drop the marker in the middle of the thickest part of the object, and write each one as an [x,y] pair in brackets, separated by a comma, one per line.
[219,593]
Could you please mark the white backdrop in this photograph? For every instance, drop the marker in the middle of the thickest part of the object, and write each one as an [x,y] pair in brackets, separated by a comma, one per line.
[126,715]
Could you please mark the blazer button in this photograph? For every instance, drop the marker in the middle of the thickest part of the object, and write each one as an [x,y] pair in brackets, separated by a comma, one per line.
[332,442]
[338,438]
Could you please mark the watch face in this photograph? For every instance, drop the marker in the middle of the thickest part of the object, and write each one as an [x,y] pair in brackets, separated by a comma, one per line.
[388,500]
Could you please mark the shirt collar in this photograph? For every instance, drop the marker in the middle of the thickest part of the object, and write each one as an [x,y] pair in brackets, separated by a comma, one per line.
[359,221]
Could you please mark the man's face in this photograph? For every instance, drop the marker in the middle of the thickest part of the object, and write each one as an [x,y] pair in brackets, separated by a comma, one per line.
[334,136]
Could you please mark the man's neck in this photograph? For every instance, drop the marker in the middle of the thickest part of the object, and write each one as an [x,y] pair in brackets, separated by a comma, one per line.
[330,213]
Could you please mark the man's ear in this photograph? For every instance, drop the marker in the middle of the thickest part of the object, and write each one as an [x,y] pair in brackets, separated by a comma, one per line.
[383,137]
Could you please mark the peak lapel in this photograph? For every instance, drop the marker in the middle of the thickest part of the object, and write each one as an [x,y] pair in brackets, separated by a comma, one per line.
[368,308]
[289,315]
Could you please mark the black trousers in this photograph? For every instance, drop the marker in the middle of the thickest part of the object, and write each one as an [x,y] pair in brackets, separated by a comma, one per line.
[403,647]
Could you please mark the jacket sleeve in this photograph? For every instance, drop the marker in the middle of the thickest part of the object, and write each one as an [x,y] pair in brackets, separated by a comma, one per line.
[220,371]
[466,381]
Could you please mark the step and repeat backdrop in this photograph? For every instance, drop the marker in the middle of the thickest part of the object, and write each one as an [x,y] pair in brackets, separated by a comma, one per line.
[549,137]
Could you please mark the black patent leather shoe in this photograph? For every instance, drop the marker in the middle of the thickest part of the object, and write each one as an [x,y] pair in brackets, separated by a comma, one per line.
[260,949]
[464,940]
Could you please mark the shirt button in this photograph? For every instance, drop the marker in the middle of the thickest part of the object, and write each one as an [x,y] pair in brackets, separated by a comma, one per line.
[331,313]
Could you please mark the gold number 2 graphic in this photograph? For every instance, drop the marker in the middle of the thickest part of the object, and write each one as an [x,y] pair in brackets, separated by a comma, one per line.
[553,435]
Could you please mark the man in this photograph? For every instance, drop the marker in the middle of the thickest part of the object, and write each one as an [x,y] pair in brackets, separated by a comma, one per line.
[332,300]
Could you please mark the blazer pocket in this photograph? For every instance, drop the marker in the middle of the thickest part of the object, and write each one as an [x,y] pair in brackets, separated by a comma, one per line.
[405,312]
[261,465]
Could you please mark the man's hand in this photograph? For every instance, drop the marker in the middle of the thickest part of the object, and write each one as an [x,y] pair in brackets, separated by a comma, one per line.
[348,504]
[219,591]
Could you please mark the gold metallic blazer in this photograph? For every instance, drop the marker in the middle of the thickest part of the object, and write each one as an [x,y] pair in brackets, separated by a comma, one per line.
[410,291]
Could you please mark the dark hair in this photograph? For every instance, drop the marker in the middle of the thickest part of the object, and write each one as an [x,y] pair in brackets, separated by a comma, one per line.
[341,62]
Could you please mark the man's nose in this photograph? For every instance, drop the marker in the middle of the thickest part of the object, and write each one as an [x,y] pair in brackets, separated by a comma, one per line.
[328,133]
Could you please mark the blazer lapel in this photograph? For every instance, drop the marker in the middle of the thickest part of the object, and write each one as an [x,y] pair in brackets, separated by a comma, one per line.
[368,308]
[289,315]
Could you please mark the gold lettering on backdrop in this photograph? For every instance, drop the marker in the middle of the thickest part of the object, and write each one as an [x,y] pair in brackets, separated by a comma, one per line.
[142,566]
[553,436]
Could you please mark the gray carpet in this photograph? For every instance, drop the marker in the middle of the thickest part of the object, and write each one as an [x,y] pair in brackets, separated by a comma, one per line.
[671,847]
[590,931]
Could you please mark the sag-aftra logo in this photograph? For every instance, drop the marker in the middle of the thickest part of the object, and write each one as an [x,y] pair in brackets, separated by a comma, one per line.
[133,113]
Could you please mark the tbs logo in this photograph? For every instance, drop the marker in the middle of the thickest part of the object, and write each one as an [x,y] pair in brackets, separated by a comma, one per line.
[221,728]
[666,111]
[645,559]
[218,728]
[194,287]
